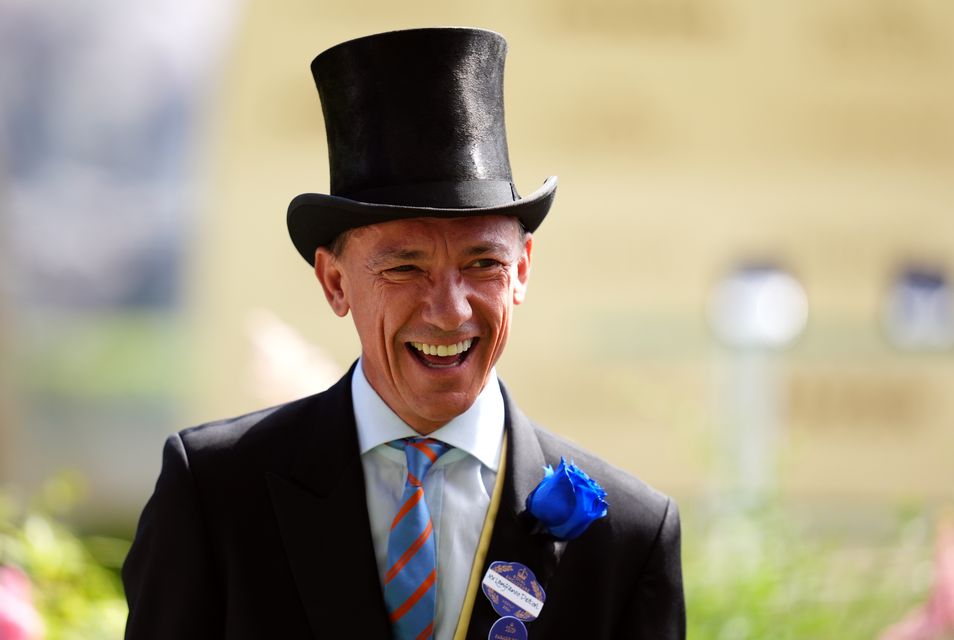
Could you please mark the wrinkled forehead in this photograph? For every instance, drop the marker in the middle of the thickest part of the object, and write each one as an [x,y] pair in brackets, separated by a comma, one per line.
[462,233]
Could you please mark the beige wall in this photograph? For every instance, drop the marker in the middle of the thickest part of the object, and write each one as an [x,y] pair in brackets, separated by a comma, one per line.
[687,135]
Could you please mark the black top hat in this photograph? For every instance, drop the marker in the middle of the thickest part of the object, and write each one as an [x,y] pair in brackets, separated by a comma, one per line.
[415,125]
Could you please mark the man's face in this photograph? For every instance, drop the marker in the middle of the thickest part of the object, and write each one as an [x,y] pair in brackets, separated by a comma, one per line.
[431,300]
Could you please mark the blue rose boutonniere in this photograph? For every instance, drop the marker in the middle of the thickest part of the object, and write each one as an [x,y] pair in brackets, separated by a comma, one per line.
[567,501]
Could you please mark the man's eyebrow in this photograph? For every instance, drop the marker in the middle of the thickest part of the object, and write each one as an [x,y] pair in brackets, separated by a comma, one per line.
[488,247]
[397,254]
[394,255]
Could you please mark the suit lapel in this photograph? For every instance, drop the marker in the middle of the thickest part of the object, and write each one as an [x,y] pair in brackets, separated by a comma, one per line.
[323,517]
[513,539]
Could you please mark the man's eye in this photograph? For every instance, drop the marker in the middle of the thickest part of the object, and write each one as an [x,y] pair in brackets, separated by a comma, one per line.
[485,263]
[404,268]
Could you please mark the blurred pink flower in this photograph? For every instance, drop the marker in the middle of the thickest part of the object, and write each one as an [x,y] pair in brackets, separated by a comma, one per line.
[286,365]
[935,619]
[18,619]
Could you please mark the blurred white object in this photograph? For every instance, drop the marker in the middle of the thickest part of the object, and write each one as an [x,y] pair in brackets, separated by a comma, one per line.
[756,309]
[285,365]
[758,306]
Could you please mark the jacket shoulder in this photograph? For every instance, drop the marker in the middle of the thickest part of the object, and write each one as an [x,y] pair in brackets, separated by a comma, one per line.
[634,551]
[634,504]
[270,437]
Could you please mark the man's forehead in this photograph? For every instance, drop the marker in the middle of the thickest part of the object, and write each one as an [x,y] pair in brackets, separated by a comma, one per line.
[396,235]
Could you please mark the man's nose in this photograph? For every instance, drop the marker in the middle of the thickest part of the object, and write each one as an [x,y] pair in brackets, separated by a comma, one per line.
[446,304]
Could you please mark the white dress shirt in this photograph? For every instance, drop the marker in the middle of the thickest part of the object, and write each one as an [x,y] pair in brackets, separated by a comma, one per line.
[457,487]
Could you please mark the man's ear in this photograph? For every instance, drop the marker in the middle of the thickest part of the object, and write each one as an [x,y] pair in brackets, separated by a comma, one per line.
[329,274]
[523,271]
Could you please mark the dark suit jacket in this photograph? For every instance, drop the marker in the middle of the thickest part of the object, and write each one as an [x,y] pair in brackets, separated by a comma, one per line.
[258,528]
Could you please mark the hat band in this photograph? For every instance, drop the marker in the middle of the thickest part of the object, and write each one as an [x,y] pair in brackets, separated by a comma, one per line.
[464,194]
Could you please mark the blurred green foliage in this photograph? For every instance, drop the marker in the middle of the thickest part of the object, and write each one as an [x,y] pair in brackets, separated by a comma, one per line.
[76,586]
[766,575]
[106,355]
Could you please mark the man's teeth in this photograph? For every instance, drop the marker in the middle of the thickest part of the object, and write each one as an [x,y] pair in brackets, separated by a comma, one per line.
[443,349]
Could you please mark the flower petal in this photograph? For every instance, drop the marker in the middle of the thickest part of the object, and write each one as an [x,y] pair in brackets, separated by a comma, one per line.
[567,501]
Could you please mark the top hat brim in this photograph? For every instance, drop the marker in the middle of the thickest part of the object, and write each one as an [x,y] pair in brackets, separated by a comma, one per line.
[316,219]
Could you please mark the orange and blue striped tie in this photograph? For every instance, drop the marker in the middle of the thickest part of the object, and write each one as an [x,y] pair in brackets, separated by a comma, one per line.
[409,584]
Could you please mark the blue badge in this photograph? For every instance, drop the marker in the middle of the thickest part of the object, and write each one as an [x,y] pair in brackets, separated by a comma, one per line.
[513,590]
[508,628]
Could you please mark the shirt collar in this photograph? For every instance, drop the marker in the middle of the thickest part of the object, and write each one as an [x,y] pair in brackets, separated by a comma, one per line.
[478,431]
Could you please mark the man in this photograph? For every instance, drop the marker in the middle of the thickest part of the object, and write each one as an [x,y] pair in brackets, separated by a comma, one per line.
[332,516]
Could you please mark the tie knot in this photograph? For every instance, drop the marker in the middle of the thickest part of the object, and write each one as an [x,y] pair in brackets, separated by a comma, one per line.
[421,454]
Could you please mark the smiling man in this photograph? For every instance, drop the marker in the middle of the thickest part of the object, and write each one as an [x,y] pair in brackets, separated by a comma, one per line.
[431,300]
[412,499]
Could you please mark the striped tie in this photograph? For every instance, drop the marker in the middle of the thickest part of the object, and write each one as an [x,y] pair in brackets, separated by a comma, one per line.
[412,558]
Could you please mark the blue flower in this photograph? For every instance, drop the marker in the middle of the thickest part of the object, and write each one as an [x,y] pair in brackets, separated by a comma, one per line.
[566,501]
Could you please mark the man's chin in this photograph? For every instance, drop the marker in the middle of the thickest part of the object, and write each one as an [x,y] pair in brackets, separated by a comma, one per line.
[434,410]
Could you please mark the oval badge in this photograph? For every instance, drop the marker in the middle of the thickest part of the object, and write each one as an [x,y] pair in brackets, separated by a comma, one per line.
[513,590]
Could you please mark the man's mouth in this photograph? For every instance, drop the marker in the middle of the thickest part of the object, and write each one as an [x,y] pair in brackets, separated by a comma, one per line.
[442,355]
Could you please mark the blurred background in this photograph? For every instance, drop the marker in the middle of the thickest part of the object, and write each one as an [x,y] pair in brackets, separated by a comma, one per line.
[743,293]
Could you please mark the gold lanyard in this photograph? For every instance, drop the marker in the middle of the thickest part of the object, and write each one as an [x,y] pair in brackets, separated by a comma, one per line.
[482,545]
